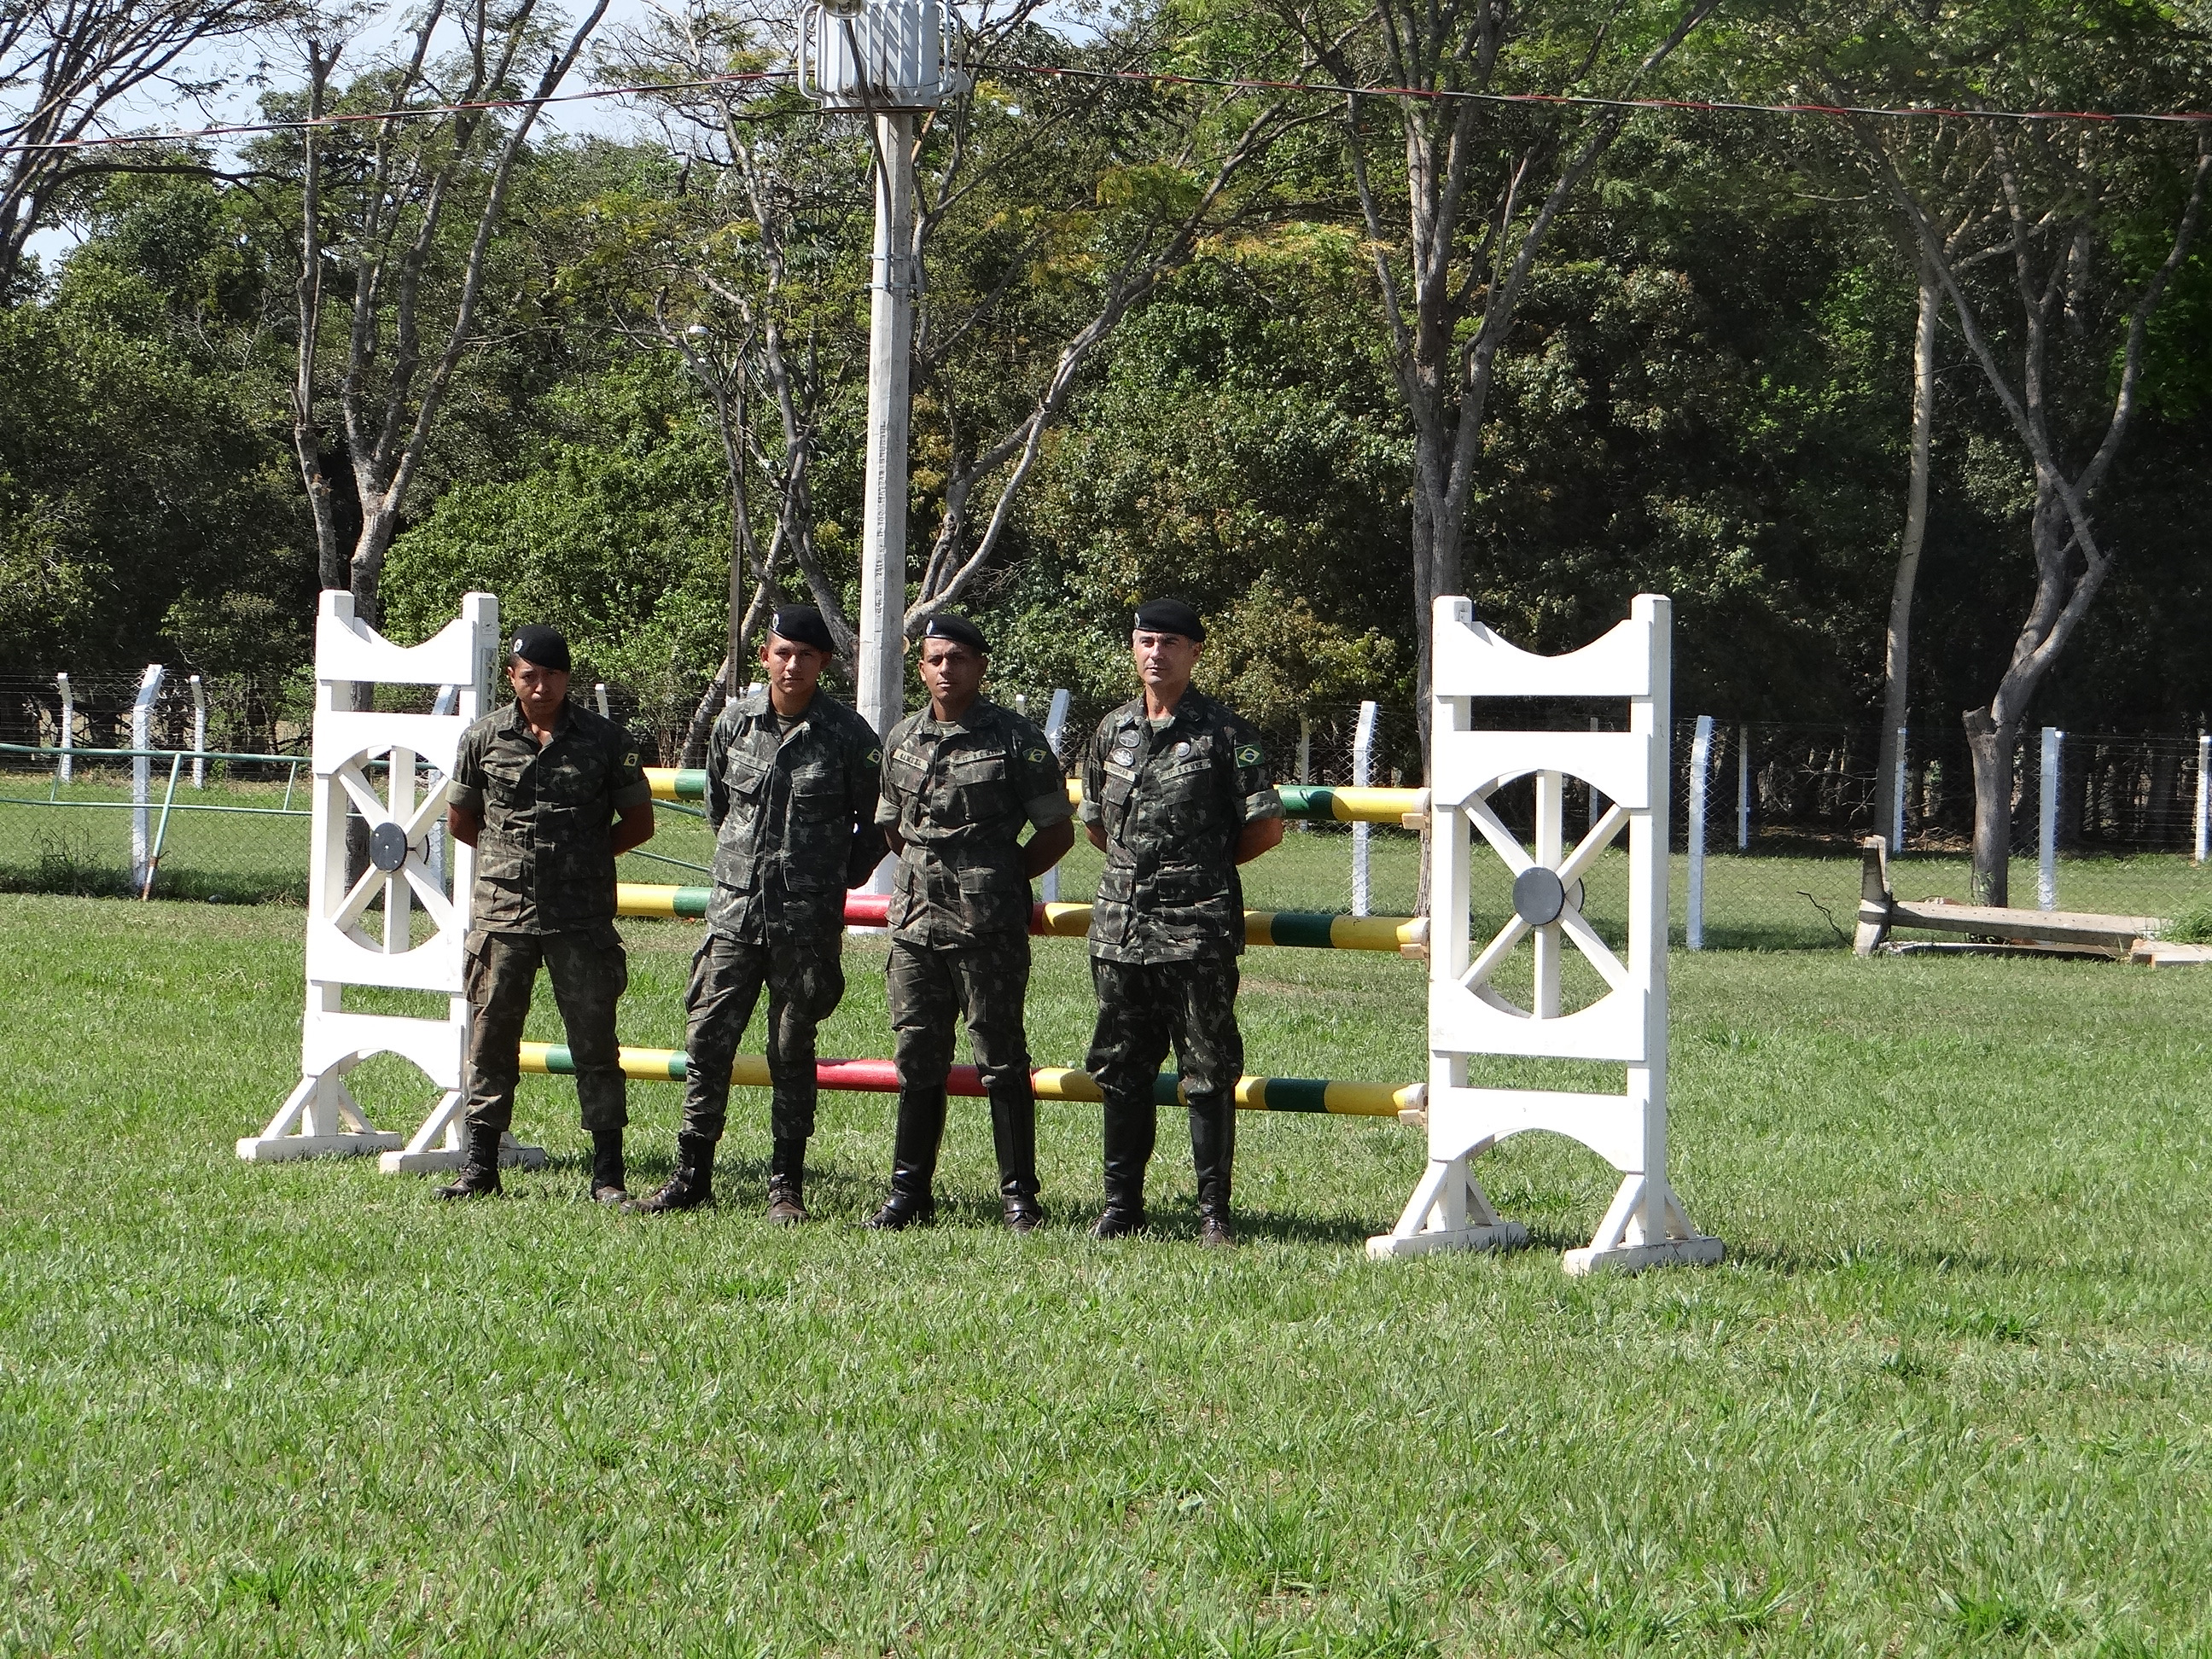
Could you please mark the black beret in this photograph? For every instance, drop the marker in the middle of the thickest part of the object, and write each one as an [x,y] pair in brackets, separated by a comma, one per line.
[541,645]
[944,625]
[1170,617]
[802,624]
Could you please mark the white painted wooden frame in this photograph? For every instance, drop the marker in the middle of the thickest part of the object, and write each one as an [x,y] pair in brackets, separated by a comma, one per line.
[320,1116]
[1645,1223]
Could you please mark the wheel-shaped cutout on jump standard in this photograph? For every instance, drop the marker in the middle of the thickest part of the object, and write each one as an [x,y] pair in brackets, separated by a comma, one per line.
[403,808]
[1547,894]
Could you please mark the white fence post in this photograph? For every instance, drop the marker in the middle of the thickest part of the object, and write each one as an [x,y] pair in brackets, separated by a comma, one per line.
[2046,841]
[1305,760]
[2203,792]
[1743,789]
[1701,755]
[142,739]
[67,763]
[1055,728]
[1897,796]
[199,733]
[1363,773]
[600,691]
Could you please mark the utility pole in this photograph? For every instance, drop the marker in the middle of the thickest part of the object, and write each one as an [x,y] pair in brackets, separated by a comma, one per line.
[881,664]
[885,59]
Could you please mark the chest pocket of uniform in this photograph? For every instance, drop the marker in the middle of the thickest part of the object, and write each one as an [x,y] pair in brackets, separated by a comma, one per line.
[577,778]
[816,791]
[747,783]
[977,788]
[503,779]
[1185,791]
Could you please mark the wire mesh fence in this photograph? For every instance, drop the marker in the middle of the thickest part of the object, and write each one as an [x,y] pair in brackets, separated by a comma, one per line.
[2105,822]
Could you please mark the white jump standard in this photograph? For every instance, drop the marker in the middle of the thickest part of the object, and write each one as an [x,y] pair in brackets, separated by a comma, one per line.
[1645,1226]
[372,762]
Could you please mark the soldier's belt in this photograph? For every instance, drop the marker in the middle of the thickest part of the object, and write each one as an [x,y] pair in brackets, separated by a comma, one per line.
[1405,1102]
[1308,801]
[1312,930]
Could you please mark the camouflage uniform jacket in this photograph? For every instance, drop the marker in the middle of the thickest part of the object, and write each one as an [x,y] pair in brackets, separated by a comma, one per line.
[793,808]
[545,860]
[957,792]
[1172,797]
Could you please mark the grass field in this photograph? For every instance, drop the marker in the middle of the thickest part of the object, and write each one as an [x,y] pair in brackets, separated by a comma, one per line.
[1952,1391]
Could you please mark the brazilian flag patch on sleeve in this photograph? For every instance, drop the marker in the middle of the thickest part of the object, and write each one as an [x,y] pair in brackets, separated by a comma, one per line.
[1035,757]
[874,758]
[1248,755]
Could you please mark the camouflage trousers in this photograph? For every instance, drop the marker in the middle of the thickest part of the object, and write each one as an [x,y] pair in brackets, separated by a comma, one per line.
[986,985]
[805,975]
[1145,1009]
[589,973]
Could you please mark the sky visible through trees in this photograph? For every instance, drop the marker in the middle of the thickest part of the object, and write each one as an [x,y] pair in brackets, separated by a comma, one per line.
[1686,341]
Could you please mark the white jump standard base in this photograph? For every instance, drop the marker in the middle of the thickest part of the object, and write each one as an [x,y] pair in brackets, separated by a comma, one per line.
[1645,1226]
[372,763]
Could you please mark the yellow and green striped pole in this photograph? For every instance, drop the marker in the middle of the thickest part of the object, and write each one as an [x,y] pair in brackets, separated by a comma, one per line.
[1312,930]
[1300,800]
[1253,1094]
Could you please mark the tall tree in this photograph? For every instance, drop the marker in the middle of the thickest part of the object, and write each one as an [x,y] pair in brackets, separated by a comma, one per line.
[1477,186]
[68,68]
[2091,223]
[430,152]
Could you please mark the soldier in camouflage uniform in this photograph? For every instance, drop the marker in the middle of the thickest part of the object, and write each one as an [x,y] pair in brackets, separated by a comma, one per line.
[1176,792]
[961,778]
[792,776]
[537,788]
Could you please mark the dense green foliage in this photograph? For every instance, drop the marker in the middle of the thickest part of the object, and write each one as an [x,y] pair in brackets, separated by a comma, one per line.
[1706,392]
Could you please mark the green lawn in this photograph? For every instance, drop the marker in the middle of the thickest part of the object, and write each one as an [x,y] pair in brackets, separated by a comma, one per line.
[1951,1392]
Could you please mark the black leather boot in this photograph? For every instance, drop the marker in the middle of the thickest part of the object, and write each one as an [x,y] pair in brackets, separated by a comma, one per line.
[1013,1135]
[607,1172]
[479,1177]
[1213,1151]
[692,1186]
[913,1201]
[1128,1131]
[787,1183]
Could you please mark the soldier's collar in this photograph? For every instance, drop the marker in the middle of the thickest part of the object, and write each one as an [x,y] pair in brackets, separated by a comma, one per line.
[970,718]
[518,721]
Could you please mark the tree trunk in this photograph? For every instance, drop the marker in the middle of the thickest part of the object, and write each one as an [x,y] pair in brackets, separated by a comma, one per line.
[1991,746]
[718,691]
[1896,657]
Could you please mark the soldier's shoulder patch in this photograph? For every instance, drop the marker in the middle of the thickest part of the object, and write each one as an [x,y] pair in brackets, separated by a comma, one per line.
[630,759]
[1248,754]
[1035,757]
[873,757]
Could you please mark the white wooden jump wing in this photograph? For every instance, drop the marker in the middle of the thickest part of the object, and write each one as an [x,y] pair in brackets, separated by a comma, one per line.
[1469,1016]
[371,761]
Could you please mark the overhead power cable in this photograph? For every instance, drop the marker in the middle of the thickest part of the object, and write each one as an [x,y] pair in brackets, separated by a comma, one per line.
[1695,105]
[1158,77]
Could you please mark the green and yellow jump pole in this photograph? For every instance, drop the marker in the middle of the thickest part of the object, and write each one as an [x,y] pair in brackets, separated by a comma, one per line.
[1407,807]
[1312,930]
[1405,1102]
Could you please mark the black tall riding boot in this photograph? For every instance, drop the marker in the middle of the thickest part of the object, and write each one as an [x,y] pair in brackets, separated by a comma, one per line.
[913,1201]
[787,1181]
[1014,1137]
[608,1175]
[479,1177]
[692,1186]
[1213,1151]
[1128,1131]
